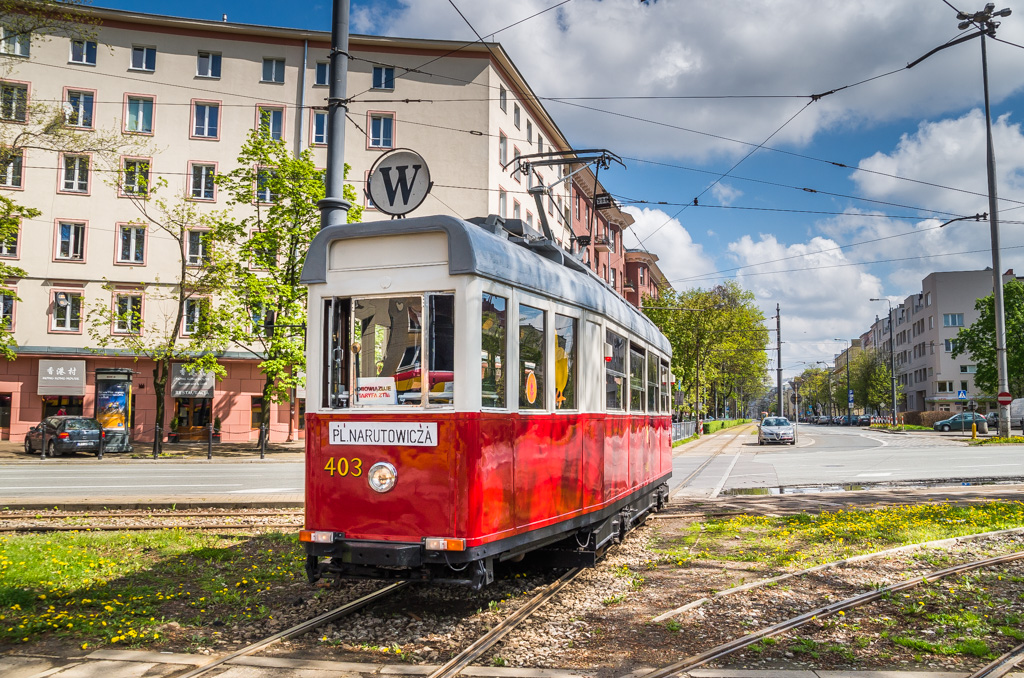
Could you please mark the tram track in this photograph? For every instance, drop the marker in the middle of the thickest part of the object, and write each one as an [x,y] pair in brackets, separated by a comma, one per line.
[725,649]
[1001,666]
[720,446]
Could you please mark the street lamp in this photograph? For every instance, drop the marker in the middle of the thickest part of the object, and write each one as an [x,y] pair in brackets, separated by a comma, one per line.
[892,357]
[849,345]
[983,21]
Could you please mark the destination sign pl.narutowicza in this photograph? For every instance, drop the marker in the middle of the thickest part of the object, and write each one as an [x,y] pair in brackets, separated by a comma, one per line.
[411,434]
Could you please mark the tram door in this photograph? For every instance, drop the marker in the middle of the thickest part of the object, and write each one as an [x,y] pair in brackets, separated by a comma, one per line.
[335,353]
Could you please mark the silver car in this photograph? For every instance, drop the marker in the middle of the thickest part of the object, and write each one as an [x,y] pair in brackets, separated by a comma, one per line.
[776,430]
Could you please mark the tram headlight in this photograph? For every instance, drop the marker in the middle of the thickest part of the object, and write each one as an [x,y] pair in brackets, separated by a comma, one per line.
[382,476]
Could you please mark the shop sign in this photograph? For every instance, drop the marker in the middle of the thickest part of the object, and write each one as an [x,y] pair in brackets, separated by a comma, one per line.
[61,378]
[186,383]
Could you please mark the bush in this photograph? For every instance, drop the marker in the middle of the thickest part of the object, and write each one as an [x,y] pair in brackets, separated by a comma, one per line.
[718,425]
[926,418]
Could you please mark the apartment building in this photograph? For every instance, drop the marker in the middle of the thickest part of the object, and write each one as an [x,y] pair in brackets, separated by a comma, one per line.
[925,334]
[601,229]
[183,94]
[643,276]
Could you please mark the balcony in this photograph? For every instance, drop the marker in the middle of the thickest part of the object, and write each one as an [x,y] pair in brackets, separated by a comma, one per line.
[602,243]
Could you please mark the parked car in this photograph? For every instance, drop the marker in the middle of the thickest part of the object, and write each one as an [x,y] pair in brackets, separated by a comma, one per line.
[824,419]
[962,422]
[864,420]
[775,430]
[65,434]
[992,418]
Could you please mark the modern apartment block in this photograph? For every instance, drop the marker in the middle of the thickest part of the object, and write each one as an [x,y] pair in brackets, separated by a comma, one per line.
[183,95]
[926,325]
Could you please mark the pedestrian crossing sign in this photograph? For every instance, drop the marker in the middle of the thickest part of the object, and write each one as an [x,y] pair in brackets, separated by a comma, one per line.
[961,394]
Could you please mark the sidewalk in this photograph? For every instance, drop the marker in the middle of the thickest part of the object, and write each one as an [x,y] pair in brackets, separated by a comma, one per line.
[189,451]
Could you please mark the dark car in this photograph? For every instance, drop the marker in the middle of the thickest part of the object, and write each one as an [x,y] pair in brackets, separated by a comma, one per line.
[65,435]
[962,422]
[864,420]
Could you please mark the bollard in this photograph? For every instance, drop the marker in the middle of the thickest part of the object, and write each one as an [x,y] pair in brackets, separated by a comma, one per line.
[156,442]
[263,441]
[974,430]
[209,443]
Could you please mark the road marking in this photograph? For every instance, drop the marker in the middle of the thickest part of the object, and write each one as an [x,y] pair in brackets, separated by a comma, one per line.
[114,487]
[873,475]
[267,490]
[721,483]
[985,465]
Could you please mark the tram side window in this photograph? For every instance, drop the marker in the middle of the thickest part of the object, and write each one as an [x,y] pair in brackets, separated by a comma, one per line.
[636,379]
[531,358]
[493,331]
[565,362]
[666,389]
[615,371]
[386,333]
[335,346]
[442,348]
[652,383]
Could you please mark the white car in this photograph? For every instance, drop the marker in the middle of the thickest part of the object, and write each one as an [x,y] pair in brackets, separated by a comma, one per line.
[776,430]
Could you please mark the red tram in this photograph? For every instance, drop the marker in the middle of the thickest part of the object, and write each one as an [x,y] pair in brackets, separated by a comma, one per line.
[474,393]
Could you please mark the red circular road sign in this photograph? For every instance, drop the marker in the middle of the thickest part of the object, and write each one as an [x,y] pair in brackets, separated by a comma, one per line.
[1004,398]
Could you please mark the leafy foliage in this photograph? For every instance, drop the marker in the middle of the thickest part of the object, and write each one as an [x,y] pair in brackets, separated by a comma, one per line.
[979,340]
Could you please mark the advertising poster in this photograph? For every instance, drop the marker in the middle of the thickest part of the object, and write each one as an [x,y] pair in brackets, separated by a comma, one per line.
[112,404]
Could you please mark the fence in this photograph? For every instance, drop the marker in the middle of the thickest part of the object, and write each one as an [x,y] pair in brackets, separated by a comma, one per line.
[683,429]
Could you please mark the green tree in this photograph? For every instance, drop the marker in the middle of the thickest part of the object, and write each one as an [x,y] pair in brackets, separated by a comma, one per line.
[11,215]
[978,341]
[719,343]
[274,228]
[184,316]
[870,380]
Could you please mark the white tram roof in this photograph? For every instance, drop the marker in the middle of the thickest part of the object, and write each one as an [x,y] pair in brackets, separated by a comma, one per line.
[539,266]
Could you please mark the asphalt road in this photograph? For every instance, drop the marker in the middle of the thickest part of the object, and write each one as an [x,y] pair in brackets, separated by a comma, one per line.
[826,456]
[823,457]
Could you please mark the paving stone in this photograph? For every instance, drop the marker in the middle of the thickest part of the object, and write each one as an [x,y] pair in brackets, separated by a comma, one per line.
[28,667]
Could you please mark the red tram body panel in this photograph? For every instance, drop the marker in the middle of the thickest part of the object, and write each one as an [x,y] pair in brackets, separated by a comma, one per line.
[438,439]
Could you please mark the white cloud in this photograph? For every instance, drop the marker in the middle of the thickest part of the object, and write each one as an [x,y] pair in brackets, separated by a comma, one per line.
[625,48]
[679,256]
[725,194]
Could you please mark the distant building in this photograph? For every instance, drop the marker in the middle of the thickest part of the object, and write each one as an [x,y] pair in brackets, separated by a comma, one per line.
[601,229]
[643,277]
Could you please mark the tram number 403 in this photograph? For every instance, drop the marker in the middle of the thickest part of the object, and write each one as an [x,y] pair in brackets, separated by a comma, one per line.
[342,467]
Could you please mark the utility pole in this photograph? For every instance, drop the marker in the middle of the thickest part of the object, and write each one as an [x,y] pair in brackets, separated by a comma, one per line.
[778,348]
[983,21]
[334,208]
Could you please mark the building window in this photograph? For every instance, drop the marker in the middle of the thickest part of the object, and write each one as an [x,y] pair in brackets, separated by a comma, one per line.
[502,202]
[67,312]
[208,65]
[128,313]
[70,241]
[140,115]
[10,172]
[196,248]
[968,369]
[641,272]
[7,309]
[13,102]
[944,387]
[271,121]
[949,345]
[516,209]
[256,407]
[193,315]
[136,177]
[78,109]
[931,322]
[9,246]
[540,144]
[322,76]
[532,343]
[83,52]
[529,131]
[202,181]
[320,128]
[952,319]
[503,98]
[76,173]
[14,43]
[502,149]
[132,248]
[143,59]
[383,77]
[273,70]
[928,299]
[613,278]
[515,115]
[963,385]
[614,370]
[382,131]
[492,355]
[206,116]
[265,192]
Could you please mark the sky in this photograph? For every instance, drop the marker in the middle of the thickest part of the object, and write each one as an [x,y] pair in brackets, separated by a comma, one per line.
[735,170]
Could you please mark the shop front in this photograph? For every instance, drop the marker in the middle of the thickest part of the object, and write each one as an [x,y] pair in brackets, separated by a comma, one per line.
[192,391]
[61,385]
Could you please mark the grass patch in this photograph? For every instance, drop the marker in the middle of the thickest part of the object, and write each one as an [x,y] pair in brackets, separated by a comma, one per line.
[969,647]
[683,441]
[121,587]
[995,440]
[811,539]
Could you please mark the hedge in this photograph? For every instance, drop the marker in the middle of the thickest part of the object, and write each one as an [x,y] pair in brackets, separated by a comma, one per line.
[718,425]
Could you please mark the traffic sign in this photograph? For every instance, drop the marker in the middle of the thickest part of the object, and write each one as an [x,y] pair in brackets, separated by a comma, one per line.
[849,397]
[399,181]
[961,394]
[1004,398]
